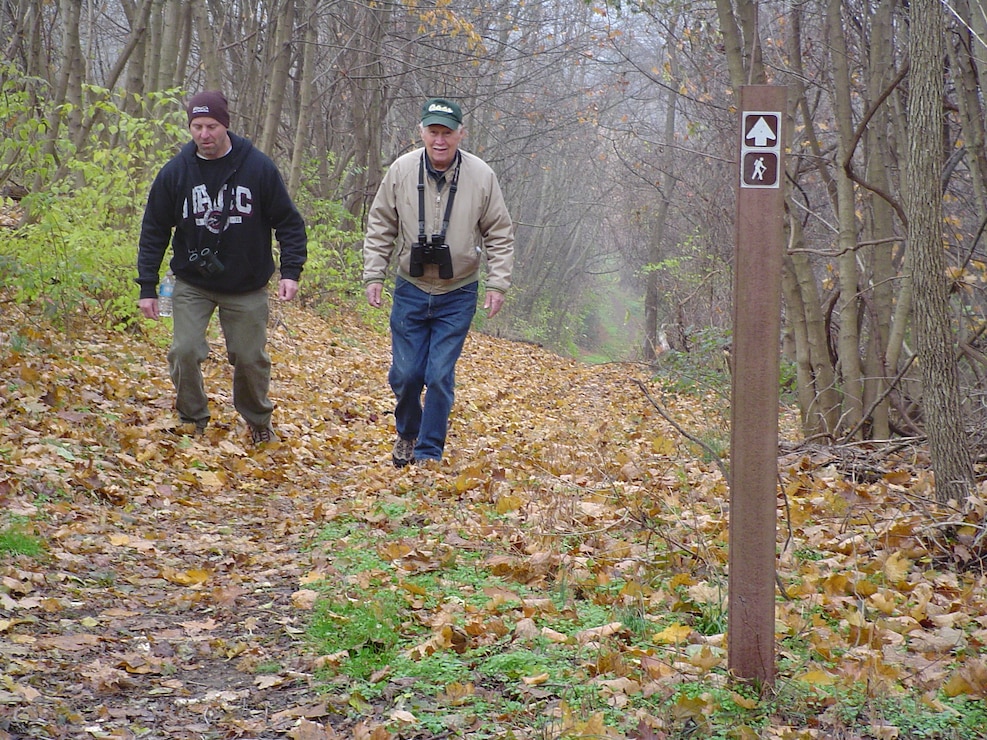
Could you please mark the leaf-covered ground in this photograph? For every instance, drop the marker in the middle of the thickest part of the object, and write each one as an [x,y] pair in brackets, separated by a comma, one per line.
[180,575]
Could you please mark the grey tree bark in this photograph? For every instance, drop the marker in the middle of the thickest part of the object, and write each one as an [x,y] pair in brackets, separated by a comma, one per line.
[280,58]
[68,88]
[951,458]
[657,244]
[310,38]
[209,35]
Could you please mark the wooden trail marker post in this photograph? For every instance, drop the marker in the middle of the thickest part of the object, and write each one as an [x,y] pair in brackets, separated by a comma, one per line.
[754,423]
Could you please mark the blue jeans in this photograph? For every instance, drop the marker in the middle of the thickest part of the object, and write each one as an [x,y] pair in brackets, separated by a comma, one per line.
[427,337]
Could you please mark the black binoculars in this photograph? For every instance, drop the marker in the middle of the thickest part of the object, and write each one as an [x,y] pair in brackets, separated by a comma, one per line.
[208,264]
[431,252]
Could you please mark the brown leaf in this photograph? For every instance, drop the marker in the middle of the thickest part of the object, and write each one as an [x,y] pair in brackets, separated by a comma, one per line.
[71,643]
[596,633]
[304,599]
[308,730]
[970,678]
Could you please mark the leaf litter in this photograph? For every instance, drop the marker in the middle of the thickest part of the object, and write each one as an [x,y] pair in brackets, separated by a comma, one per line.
[180,571]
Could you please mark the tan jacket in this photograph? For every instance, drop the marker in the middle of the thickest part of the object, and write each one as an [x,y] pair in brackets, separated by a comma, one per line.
[480,226]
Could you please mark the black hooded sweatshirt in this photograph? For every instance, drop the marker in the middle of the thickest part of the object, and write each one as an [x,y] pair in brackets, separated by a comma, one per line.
[195,197]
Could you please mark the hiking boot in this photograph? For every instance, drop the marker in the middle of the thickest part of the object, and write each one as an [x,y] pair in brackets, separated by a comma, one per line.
[261,435]
[190,428]
[403,452]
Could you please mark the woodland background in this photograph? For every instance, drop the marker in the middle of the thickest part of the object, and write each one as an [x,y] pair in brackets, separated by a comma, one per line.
[613,129]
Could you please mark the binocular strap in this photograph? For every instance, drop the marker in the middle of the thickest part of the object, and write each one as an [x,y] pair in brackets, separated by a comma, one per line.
[453,186]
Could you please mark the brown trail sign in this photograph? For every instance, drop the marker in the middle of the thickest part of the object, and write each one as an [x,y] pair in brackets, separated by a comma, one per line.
[754,425]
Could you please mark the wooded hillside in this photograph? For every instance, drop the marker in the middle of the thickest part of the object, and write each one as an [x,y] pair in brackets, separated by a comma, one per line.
[613,129]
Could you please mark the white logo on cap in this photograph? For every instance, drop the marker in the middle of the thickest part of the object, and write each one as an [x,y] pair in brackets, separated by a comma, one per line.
[439,108]
[200,109]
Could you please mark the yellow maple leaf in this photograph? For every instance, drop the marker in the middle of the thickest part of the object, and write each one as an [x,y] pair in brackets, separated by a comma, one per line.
[662,445]
[466,482]
[458,693]
[817,677]
[673,634]
[209,479]
[884,601]
[403,715]
[743,701]
[705,659]
[957,685]
[192,577]
[304,598]
[884,732]
[509,503]
[896,567]
[535,680]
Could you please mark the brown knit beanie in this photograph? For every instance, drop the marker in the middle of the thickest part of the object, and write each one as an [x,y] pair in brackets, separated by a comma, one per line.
[209,104]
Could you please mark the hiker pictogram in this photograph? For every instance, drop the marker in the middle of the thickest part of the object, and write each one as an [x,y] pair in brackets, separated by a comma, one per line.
[760,149]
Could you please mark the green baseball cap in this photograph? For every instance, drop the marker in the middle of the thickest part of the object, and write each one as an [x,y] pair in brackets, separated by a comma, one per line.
[441,112]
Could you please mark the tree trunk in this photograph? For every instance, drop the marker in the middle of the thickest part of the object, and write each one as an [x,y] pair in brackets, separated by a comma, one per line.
[951,458]
[656,243]
[742,43]
[209,37]
[279,63]
[817,392]
[848,342]
[367,98]
[24,40]
[172,24]
[152,62]
[69,86]
[137,63]
[310,22]
[879,226]
[963,55]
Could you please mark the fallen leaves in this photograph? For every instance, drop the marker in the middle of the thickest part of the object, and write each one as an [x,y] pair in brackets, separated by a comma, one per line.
[180,573]
[194,577]
[304,599]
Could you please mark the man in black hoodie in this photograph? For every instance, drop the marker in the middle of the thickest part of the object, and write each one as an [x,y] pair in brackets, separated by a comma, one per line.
[217,202]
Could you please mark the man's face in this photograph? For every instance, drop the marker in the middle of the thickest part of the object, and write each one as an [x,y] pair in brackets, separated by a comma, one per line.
[441,144]
[210,137]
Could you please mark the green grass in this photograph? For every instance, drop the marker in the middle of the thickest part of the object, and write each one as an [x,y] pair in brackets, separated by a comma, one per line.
[380,625]
[366,626]
[15,539]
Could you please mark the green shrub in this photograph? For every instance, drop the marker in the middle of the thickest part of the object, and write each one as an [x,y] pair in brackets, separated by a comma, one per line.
[699,369]
[75,253]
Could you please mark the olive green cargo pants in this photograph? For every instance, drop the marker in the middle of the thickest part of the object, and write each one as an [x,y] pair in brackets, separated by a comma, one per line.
[243,319]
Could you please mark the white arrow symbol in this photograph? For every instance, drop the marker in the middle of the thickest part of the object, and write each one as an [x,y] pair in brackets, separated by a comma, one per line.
[761,132]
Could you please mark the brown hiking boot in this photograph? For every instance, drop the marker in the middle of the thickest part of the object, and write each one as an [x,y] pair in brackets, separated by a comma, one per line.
[262,435]
[190,428]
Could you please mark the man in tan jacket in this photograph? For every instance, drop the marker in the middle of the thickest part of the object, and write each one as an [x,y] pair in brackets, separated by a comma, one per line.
[438,216]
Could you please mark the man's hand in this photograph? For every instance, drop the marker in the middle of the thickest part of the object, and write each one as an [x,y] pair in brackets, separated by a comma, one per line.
[149,308]
[287,289]
[374,293]
[493,302]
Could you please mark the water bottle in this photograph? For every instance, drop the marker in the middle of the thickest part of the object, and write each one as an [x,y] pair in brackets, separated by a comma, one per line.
[165,291]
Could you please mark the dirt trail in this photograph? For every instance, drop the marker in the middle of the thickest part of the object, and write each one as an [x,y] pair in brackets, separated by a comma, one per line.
[171,600]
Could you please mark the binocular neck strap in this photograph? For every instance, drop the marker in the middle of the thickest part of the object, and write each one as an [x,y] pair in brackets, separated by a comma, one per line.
[453,187]
[227,207]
